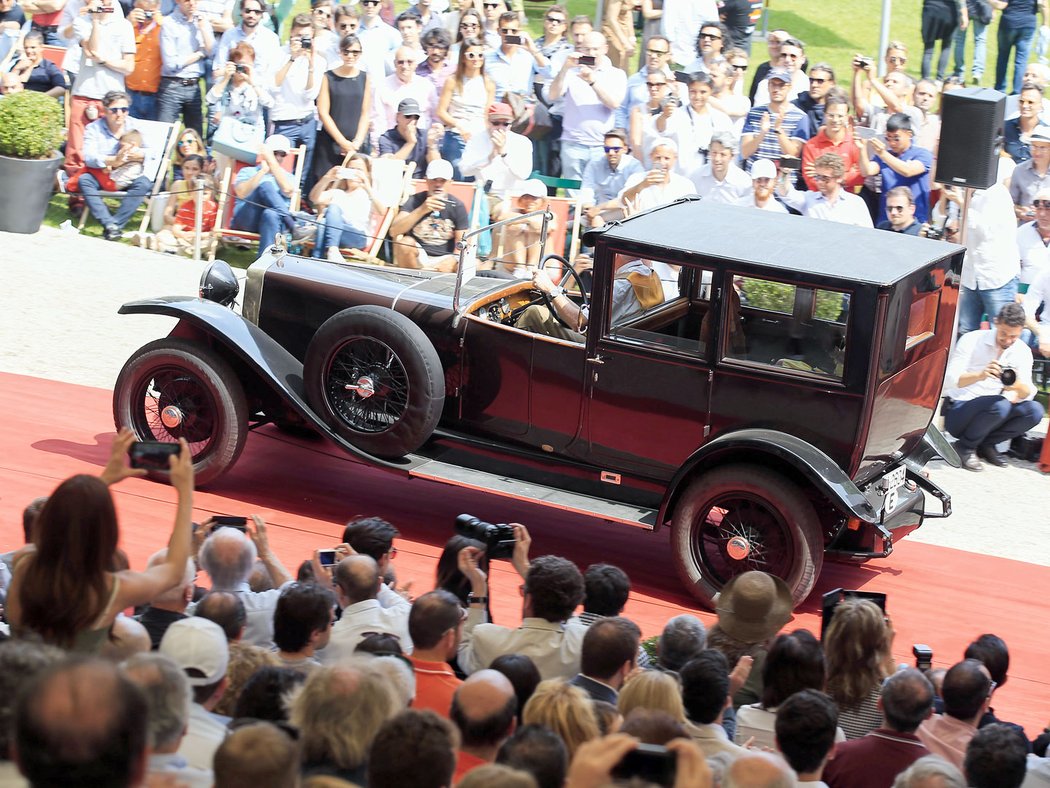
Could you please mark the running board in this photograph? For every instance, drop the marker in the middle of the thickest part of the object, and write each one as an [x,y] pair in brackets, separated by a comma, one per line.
[507,487]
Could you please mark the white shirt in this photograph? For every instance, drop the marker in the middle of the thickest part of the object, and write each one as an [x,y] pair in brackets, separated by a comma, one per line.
[660,194]
[503,171]
[366,616]
[973,352]
[681,21]
[291,100]
[1037,774]
[203,736]
[736,189]
[117,38]
[391,91]
[377,42]
[1035,256]
[772,205]
[692,133]
[992,258]
[1039,292]
[554,648]
[846,209]
[267,46]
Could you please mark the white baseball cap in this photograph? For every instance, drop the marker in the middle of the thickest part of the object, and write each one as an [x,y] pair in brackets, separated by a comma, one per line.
[197,643]
[533,187]
[763,168]
[439,169]
[278,142]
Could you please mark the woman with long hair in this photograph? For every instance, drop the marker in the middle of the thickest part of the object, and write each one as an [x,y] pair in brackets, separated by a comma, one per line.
[344,106]
[565,709]
[189,143]
[857,651]
[350,200]
[655,690]
[64,588]
[463,101]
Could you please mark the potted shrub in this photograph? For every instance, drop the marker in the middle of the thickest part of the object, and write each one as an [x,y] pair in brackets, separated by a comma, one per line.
[31,128]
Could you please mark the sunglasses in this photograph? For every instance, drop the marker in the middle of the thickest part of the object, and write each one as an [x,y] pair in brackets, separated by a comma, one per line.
[657,52]
[369,2]
[739,67]
[500,123]
[117,110]
[468,24]
[1041,203]
[554,20]
[614,148]
[252,11]
[280,154]
[491,5]
[816,81]
[507,31]
[712,36]
[823,178]
[895,208]
[652,85]
[354,52]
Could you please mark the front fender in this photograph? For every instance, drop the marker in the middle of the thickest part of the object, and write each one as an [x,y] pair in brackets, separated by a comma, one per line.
[257,351]
[764,446]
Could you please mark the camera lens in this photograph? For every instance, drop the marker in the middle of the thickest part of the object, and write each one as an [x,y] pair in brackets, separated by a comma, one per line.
[1008,376]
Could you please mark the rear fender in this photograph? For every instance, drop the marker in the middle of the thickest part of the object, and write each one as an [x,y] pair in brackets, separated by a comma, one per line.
[776,450]
[256,351]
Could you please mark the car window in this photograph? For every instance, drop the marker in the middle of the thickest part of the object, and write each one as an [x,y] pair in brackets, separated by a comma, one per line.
[786,327]
[651,304]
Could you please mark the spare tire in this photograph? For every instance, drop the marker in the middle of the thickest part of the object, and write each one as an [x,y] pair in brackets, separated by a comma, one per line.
[375,378]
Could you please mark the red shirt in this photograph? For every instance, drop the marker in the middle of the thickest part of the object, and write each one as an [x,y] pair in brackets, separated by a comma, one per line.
[435,685]
[186,216]
[872,761]
[819,144]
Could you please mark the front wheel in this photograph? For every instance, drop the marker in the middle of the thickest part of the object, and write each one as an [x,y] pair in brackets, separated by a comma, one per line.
[741,518]
[174,388]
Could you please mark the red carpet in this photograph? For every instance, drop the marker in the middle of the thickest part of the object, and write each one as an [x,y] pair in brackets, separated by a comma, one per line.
[307,489]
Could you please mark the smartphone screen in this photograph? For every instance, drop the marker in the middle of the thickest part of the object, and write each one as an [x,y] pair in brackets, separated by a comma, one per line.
[587,60]
[326,557]
[152,455]
[831,599]
[230,521]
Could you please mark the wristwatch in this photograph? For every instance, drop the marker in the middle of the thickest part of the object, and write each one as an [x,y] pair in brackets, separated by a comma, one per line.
[477,600]
[555,292]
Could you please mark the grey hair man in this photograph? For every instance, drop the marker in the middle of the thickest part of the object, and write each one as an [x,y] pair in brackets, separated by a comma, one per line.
[930,771]
[683,638]
[168,697]
[720,179]
[228,556]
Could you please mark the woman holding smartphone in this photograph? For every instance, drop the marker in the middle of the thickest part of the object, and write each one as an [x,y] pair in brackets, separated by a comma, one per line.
[463,101]
[350,200]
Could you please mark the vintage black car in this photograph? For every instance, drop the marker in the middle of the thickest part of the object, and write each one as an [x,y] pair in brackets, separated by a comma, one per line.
[773,407]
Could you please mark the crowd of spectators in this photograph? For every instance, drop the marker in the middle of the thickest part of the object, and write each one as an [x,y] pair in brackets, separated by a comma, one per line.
[114,677]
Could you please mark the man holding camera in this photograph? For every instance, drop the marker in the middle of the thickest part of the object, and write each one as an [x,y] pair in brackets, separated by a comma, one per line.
[430,225]
[264,41]
[776,129]
[990,391]
[297,84]
[186,42]
[830,201]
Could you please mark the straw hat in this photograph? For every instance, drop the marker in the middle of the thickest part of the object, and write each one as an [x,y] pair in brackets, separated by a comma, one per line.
[753,606]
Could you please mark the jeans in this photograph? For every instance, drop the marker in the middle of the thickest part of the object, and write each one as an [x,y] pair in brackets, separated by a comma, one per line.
[980,49]
[300,132]
[50,34]
[1021,39]
[975,303]
[174,99]
[264,211]
[143,105]
[574,159]
[452,151]
[133,198]
[986,421]
[336,231]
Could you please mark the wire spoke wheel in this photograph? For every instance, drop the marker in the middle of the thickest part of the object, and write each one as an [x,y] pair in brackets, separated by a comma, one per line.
[174,404]
[740,533]
[367,385]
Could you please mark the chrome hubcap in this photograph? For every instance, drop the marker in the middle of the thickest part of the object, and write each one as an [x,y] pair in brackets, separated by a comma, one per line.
[171,417]
[364,388]
[738,548]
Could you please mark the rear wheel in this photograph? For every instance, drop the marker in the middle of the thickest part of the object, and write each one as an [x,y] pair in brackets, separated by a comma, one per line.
[175,388]
[741,518]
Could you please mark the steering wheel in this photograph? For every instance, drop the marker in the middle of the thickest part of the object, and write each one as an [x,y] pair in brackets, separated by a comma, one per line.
[569,271]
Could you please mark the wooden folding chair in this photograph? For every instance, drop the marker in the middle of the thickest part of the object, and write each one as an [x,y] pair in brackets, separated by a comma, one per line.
[157,136]
[391,181]
[292,163]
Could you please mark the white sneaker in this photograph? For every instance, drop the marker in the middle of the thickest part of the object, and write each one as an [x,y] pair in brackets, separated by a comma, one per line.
[334,255]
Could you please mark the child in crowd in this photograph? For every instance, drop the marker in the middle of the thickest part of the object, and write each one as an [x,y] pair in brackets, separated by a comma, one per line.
[178,234]
[117,178]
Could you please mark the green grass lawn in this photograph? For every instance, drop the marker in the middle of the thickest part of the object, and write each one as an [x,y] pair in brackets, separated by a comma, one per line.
[832,30]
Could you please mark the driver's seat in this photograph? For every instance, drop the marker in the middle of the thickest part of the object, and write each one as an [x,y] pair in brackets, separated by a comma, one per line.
[649,290]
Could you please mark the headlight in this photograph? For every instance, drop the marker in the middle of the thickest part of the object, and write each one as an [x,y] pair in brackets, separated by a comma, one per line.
[219,284]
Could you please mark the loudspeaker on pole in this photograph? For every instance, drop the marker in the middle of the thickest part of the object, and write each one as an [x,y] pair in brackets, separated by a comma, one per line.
[971,137]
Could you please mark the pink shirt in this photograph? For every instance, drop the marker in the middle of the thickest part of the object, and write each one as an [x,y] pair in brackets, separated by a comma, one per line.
[947,736]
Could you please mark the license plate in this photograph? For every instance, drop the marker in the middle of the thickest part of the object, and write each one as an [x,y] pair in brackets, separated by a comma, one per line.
[890,483]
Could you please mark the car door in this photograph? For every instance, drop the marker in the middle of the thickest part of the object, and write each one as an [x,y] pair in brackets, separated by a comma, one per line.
[648,377]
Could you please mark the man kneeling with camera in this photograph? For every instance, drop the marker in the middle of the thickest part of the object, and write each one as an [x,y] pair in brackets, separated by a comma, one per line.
[990,391]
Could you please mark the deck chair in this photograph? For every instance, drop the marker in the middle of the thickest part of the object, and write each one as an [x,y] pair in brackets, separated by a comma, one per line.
[55,54]
[556,183]
[565,240]
[292,163]
[159,139]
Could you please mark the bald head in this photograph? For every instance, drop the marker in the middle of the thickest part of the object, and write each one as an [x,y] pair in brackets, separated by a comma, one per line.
[176,597]
[358,578]
[81,723]
[759,770]
[595,40]
[483,709]
[227,556]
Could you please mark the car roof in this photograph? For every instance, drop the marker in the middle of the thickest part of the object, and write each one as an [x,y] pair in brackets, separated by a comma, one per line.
[779,241]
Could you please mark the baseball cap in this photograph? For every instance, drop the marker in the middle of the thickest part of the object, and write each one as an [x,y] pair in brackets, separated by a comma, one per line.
[439,168]
[500,110]
[533,187]
[197,643]
[409,106]
[277,142]
[763,168]
[780,74]
[665,142]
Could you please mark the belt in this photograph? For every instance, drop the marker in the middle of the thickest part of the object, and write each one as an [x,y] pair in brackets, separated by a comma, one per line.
[45,28]
[296,120]
[184,81]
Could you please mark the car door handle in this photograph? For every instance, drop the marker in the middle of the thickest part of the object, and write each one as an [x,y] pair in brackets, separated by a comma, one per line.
[596,360]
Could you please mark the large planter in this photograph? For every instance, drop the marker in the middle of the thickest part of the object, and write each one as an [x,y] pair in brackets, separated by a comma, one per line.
[27,187]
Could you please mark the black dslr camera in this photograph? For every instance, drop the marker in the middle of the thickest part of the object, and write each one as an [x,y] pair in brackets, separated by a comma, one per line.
[1008,376]
[498,539]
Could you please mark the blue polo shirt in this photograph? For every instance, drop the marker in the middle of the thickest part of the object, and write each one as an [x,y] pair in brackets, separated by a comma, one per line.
[1015,149]
[919,184]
